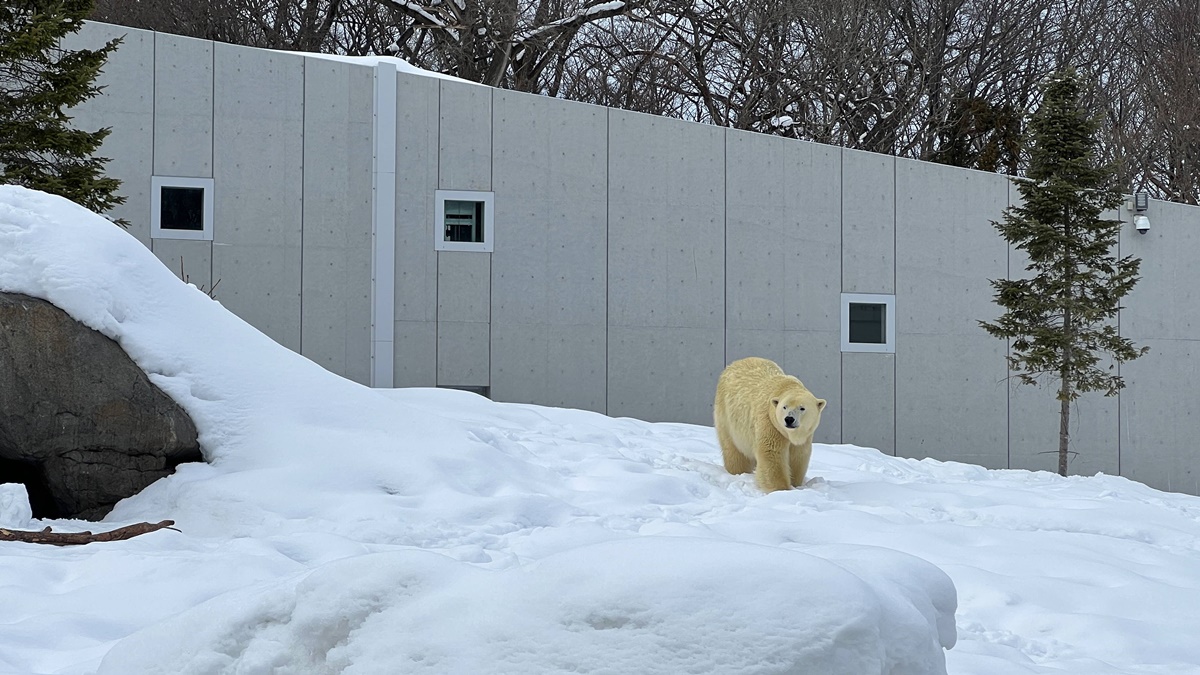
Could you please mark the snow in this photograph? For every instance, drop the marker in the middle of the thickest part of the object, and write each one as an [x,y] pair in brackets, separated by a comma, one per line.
[337,528]
[15,512]
[611,6]
[400,64]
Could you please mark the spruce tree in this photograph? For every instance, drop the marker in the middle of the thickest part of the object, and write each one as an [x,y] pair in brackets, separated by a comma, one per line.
[39,82]
[1060,318]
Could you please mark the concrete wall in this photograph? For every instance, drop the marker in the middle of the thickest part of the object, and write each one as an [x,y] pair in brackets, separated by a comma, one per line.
[1158,424]
[634,257]
[951,396]
[666,267]
[183,140]
[464,279]
[549,270]
[335,271]
[783,262]
[868,265]
[288,143]
[416,284]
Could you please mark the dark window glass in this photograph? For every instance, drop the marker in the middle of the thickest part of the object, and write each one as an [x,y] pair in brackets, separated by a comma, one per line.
[464,221]
[868,323]
[181,208]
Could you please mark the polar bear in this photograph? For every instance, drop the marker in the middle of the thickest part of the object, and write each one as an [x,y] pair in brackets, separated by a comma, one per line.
[765,421]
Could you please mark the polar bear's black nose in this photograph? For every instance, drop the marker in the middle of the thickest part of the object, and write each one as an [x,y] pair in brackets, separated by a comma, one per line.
[790,422]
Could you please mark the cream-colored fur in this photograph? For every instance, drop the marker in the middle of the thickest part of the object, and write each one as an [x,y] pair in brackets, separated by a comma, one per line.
[754,398]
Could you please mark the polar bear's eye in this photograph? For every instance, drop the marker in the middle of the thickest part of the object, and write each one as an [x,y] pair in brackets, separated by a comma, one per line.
[801,408]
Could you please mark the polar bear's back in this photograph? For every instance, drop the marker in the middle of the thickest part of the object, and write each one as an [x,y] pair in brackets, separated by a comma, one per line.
[742,392]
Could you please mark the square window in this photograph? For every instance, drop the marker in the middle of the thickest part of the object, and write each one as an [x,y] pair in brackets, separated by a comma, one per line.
[868,323]
[181,208]
[463,221]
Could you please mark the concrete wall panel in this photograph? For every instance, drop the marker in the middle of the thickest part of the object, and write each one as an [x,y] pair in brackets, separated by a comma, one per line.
[783,261]
[464,279]
[663,374]
[183,106]
[549,269]
[127,106]
[868,401]
[258,172]
[416,354]
[462,354]
[868,386]
[1159,420]
[416,260]
[951,396]
[1165,303]
[336,278]
[465,143]
[951,400]
[464,313]
[868,222]
[559,365]
[666,303]
[783,234]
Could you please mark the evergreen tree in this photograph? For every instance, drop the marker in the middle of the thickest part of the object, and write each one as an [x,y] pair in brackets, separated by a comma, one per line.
[1060,318]
[39,81]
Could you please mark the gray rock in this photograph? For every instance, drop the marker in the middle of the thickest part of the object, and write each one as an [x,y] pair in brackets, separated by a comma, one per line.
[80,423]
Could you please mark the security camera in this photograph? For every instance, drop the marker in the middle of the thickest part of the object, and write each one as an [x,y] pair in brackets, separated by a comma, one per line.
[1141,224]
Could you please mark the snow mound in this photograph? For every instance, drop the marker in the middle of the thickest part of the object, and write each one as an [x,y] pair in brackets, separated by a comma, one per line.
[668,606]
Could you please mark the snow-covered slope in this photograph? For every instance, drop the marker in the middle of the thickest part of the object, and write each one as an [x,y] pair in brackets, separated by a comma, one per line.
[342,529]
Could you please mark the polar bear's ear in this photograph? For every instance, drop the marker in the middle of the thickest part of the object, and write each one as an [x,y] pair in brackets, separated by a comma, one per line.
[820,404]
[774,403]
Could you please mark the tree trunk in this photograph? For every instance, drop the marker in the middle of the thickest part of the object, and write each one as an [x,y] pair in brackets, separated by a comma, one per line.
[1064,393]
[1064,437]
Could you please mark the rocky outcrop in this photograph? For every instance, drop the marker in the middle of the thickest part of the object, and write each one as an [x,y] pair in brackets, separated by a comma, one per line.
[80,423]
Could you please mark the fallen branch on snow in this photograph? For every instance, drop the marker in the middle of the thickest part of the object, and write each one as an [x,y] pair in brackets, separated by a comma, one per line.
[46,536]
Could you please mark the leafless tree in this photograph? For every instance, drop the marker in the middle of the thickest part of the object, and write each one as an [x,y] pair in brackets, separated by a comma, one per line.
[301,25]
[502,43]
[1167,161]
[951,81]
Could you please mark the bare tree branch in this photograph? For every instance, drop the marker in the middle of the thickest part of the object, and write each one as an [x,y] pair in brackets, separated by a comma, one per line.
[47,536]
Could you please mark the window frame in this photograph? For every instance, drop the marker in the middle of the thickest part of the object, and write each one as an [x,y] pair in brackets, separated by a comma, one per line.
[157,231]
[888,346]
[439,220]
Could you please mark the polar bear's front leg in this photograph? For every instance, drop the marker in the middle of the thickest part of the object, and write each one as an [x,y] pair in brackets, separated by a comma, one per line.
[799,458]
[772,472]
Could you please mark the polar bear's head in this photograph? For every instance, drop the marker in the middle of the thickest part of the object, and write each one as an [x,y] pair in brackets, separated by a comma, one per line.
[797,413]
